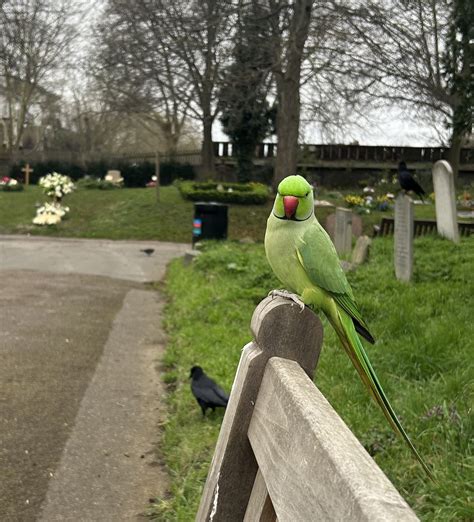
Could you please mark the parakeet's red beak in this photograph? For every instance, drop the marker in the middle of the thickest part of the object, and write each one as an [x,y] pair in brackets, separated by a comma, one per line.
[290,203]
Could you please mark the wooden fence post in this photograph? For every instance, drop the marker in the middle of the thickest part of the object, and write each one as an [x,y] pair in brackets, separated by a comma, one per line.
[280,329]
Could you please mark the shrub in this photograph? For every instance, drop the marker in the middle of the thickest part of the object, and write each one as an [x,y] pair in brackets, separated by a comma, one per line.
[135,174]
[169,172]
[95,183]
[241,193]
[139,174]
[41,169]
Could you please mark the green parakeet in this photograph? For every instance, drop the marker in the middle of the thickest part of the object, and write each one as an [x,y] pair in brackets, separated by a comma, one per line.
[304,259]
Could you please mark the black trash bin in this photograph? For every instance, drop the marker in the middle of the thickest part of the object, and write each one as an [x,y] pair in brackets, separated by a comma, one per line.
[210,221]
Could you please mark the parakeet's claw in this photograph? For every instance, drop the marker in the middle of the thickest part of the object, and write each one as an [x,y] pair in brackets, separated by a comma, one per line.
[287,295]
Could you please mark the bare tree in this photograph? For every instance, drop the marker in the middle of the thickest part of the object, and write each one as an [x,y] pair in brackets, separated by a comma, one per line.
[398,50]
[35,36]
[201,31]
[138,71]
[162,58]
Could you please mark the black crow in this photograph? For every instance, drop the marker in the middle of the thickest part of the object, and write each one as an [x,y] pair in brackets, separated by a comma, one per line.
[407,182]
[207,392]
[148,251]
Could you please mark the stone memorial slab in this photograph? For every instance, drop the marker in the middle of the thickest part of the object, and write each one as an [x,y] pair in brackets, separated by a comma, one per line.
[361,250]
[322,203]
[114,176]
[445,201]
[343,231]
[403,238]
[330,225]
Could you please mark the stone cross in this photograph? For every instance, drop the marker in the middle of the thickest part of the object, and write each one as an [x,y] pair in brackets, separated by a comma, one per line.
[445,200]
[27,170]
[343,231]
[403,238]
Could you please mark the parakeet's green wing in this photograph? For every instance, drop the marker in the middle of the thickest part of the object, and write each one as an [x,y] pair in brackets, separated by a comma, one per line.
[324,270]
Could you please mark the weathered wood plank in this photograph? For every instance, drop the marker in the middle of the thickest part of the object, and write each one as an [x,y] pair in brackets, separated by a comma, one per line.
[279,329]
[314,468]
[260,507]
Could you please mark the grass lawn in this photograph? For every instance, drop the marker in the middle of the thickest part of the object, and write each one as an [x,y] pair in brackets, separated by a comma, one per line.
[122,214]
[423,357]
[135,214]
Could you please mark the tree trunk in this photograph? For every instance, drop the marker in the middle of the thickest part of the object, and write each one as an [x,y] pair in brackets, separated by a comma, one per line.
[157,175]
[288,90]
[455,153]
[288,120]
[244,155]
[207,152]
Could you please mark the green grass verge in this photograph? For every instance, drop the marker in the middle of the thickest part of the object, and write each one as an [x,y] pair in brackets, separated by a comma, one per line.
[423,357]
[123,214]
[135,214]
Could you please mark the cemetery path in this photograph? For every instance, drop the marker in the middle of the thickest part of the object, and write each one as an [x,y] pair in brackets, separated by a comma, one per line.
[117,259]
[79,390]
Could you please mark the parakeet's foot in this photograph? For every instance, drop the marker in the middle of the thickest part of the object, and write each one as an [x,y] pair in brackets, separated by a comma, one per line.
[287,295]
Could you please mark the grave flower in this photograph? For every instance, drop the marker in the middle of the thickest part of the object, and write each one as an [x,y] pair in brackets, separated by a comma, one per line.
[50,214]
[56,185]
[8,184]
[354,201]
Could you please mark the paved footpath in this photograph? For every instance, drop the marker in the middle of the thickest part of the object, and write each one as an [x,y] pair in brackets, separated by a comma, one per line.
[80,340]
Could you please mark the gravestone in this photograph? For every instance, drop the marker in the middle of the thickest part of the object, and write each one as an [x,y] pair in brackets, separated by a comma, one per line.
[445,201]
[114,176]
[330,225]
[190,256]
[403,237]
[343,231]
[361,250]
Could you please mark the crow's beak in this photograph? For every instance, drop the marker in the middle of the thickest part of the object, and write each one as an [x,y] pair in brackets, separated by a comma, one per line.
[290,204]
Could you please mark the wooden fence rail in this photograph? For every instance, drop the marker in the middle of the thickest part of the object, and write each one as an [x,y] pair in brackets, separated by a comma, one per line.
[361,153]
[283,453]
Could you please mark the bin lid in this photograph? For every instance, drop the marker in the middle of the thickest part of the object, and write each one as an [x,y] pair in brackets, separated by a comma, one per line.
[210,203]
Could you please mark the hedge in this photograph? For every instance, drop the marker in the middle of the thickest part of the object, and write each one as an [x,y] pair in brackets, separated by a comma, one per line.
[134,175]
[240,193]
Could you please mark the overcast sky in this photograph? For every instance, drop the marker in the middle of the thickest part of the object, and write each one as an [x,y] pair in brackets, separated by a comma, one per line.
[392,126]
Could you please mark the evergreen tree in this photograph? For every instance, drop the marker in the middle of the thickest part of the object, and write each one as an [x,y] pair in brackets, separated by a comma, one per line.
[459,67]
[245,113]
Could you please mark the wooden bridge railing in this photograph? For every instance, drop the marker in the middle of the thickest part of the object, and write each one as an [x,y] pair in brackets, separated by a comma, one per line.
[283,453]
[358,153]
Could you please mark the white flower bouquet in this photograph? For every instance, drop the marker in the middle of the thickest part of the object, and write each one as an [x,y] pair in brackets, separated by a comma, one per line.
[50,214]
[56,185]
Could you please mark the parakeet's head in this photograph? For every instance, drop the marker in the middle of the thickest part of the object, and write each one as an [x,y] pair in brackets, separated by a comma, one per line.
[294,200]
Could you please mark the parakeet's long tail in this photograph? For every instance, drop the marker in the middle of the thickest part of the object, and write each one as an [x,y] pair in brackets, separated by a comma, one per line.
[353,346]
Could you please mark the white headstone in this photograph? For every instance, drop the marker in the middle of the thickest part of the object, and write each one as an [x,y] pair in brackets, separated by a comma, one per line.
[343,231]
[403,238]
[445,200]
